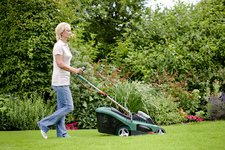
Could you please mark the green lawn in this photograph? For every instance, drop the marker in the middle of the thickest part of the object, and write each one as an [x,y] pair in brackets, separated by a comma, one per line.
[193,136]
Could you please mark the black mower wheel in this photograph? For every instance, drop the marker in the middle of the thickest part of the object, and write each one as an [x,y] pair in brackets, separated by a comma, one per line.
[123,131]
[160,131]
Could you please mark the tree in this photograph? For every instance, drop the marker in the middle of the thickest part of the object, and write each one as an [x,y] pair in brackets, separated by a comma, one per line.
[180,39]
[27,38]
[106,19]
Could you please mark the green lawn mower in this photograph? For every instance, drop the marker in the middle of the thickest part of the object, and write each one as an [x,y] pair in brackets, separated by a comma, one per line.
[112,121]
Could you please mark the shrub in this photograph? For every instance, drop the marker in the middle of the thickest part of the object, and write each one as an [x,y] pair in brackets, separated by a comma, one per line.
[162,109]
[175,87]
[27,39]
[25,112]
[166,112]
[207,82]
[4,108]
[86,116]
[216,107]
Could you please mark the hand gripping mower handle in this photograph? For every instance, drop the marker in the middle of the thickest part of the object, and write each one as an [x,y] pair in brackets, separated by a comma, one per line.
[80,77]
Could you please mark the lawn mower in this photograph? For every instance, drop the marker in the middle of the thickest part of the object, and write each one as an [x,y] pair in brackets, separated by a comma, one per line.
[112,121]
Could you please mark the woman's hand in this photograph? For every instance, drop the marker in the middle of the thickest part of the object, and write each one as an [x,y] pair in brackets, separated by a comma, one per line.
[79,71]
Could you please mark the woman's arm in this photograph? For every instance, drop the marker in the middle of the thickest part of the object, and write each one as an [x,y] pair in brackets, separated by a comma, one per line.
[62,65]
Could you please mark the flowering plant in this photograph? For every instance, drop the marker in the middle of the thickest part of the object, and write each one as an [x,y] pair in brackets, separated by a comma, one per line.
[216,106]
[182,115]
[193,118]
[189,117]
[71,126]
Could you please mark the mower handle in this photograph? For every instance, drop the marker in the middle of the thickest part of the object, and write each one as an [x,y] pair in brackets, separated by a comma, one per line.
[80,77]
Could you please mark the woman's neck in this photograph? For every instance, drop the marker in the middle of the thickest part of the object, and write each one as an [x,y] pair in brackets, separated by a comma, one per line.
[64,40]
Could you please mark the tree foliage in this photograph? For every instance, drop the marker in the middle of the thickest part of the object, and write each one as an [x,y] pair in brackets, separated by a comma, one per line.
[106,19]
[184,38]
[27,38]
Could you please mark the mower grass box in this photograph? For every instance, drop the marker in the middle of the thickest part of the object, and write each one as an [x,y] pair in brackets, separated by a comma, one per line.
[112,121]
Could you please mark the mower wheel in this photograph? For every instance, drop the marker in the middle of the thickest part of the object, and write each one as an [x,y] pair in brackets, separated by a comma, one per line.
[160,131]
[123,131]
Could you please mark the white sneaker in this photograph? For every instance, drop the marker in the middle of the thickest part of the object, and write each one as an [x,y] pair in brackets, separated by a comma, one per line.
[66,135]
[44,134]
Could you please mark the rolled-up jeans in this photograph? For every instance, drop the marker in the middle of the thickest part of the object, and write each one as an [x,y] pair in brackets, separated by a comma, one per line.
[64,107]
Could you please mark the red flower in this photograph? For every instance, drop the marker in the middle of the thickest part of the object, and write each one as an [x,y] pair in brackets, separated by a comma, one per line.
[71,126]
[194,118]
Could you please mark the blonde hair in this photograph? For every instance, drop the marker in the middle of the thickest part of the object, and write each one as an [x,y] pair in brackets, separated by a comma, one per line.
[61,28]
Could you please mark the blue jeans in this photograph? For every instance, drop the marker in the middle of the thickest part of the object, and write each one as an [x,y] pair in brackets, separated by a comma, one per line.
[64,107]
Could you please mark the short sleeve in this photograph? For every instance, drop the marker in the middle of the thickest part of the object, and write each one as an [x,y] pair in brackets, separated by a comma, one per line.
[58,49]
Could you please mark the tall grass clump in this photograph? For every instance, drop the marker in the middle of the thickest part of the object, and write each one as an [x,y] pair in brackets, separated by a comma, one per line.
[128,96]
[144,97]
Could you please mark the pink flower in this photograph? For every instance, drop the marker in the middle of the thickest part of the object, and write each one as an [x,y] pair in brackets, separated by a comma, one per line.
[71,126]
[194,118]
[200,119]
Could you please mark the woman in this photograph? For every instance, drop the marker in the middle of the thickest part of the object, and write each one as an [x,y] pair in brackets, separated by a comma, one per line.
[60,82]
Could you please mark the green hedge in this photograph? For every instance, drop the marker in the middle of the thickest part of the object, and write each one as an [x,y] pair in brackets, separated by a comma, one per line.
[180,39]
[27,38]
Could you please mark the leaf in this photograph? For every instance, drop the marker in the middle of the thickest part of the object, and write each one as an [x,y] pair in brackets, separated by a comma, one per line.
[90,98]
[85,104]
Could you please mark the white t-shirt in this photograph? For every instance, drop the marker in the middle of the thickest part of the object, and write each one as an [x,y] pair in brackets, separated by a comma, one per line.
[61,77]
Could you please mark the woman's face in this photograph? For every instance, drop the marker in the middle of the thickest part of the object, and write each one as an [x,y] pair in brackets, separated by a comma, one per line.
[67,33]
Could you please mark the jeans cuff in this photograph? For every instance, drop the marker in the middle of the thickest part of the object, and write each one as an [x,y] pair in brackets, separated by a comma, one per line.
[43,128]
